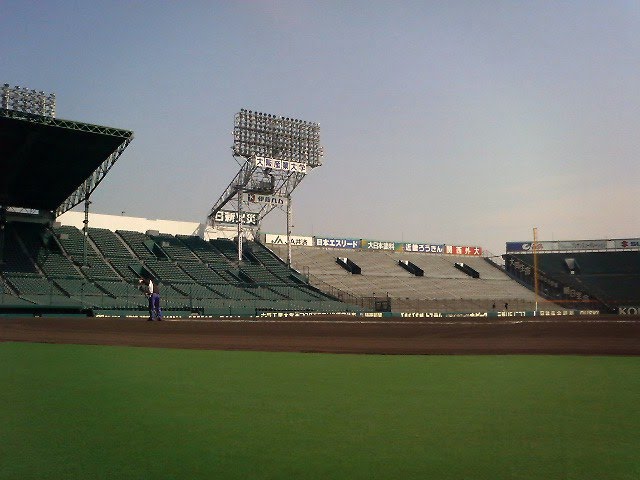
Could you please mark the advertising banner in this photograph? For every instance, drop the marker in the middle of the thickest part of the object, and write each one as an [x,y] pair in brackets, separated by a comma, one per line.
[423,248]
[351,243]
[295,240]
[627,243]
[570,245]
[528,247]
[276,200]
[231,216]
[463,250]
[517,247]
[629,309]
[583,245]
[287,166]
[376,245]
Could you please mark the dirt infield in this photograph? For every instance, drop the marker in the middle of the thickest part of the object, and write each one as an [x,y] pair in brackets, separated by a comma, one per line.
[548,335]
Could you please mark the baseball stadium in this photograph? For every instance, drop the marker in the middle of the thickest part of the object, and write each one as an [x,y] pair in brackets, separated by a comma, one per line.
[293,356]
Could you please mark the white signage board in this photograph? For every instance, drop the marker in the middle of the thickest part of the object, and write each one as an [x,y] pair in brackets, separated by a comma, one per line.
[285,165]
[276,239]
[276,200]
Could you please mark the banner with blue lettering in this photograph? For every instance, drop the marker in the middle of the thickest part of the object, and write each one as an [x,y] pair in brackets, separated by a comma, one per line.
[351,243]
[518,247]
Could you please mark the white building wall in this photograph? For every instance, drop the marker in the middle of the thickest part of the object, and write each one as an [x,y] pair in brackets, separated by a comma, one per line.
[139,224]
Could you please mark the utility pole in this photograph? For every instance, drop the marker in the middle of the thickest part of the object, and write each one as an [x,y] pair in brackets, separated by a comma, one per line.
[535,267]
[85,231]
[289,231]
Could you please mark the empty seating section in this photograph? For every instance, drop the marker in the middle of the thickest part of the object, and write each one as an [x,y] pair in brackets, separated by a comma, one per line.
[44,266]
[129,268]
[108,243]
[174,248]
[9,298]
[118,289]
[272,262]
[87,293]
[42,244]
[77,287]
[298,293]
[227,275]
[139,243]
[16,259]
[33,285]
[33,236]
[98,269]
[227,247]
[54,264]
[607,276]
[212,257]
[167,272]
[233,292]
[442,286]
[209,255]
[267,293]
[195,290]
[203,274]
[204,250]
[72,240]
[259,274]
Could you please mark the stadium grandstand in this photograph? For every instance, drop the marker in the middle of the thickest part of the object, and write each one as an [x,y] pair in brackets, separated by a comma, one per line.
[404,277]
[205,274]
[57,261]
[598,274]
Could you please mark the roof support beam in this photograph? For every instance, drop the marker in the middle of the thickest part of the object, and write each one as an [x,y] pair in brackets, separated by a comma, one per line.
[90,184]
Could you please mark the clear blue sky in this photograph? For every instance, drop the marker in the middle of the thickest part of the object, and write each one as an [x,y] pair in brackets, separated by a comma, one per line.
[448,122]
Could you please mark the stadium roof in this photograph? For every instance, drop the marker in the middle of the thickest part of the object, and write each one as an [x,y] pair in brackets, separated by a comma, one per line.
[52,164]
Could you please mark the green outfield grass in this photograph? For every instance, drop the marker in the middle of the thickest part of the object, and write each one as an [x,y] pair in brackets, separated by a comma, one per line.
[83,412]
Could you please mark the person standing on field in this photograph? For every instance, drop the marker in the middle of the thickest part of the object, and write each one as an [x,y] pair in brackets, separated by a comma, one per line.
[152,292]
[155,301]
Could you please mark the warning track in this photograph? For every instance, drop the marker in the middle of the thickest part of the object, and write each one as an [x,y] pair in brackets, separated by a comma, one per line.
[341,334]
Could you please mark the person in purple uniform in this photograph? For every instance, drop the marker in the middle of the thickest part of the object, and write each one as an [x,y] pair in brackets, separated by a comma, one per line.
[152,292]
[155,301]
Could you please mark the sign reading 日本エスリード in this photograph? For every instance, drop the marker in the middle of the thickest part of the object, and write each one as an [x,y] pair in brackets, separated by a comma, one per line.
[338,242]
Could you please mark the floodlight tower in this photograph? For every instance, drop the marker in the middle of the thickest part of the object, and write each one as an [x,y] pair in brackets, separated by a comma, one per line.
[29,101]
[274,154]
